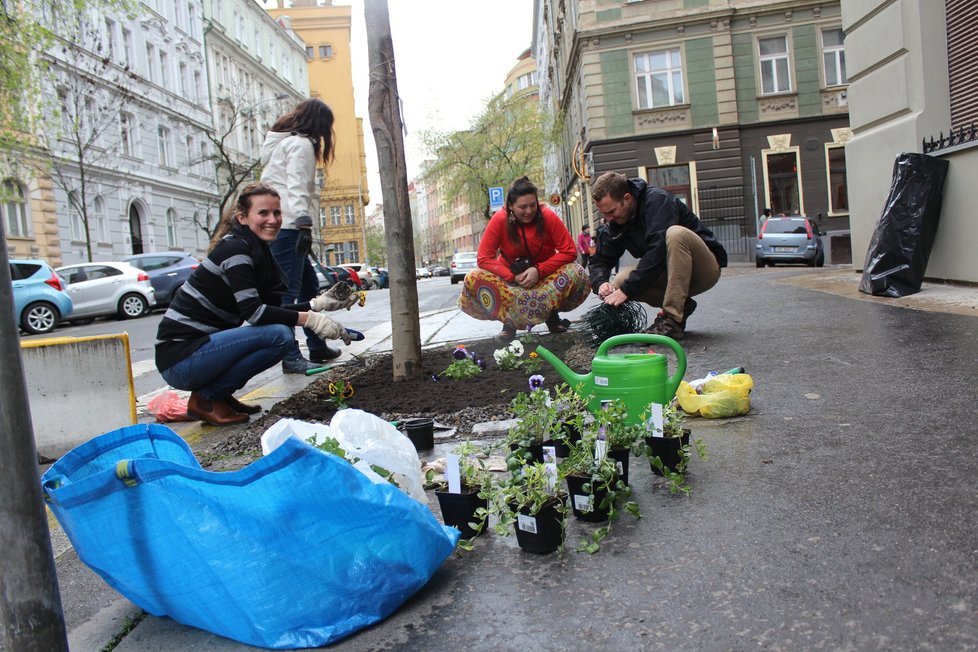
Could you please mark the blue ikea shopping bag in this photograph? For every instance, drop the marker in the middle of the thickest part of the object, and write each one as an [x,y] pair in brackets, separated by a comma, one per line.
[297,549]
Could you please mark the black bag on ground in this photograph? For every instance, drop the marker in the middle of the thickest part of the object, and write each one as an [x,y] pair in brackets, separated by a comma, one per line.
[900,247]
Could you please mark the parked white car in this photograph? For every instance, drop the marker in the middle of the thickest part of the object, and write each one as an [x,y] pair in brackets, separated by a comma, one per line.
[110,288]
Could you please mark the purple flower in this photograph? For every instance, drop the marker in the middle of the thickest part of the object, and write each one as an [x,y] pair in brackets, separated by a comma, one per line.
[536,382]
[481,364]
[601,433]
[460,353]
[434,377]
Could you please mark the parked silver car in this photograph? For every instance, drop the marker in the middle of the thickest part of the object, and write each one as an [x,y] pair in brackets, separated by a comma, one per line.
[462,263]
[111,288]
[793,239]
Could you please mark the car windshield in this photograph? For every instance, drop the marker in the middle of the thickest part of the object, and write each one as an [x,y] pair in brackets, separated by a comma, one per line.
[784,226]
[468,256]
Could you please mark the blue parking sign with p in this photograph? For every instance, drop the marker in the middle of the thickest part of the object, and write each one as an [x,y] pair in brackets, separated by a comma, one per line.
[495,198]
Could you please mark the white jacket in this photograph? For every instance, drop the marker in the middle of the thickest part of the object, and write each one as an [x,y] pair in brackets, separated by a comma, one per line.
[290,168]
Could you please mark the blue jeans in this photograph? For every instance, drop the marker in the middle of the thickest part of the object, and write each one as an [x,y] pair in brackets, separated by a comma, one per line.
[301,280]
[230,359]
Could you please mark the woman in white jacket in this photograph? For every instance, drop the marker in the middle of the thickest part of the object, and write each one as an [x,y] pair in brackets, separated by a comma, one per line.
[296,143]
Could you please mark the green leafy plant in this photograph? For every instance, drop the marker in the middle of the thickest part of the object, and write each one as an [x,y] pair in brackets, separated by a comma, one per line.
[532,363]
[340,392]
[672,428]
[509,357]
[529,489]
[474,476]
[332,445]
[464,365]
[602,482]
[537,418]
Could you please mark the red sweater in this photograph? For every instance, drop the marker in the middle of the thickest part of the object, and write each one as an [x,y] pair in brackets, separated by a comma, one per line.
[549,253]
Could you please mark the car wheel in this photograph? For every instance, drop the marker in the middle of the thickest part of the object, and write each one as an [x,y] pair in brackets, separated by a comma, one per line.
[132,306]
[454,280]
[39,317]
[760,262]
[81,322]
[820,261]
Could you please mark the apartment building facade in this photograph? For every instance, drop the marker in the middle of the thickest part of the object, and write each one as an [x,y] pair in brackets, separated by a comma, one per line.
[733,106]
[325,31]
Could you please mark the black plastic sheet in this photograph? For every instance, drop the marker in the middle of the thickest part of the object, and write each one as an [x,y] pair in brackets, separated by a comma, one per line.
[900,248]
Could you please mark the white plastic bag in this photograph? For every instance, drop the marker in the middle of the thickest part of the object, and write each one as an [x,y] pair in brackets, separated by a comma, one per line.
[364,435]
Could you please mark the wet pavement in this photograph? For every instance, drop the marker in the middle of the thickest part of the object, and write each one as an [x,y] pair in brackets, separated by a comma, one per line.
[841,513]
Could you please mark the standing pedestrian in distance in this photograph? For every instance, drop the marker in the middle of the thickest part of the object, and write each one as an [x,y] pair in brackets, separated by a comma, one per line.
[767,213]
[203,343]
[295,145]
[584,245]
[678,256]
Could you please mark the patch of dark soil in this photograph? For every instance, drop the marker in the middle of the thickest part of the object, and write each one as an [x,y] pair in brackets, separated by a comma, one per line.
[455,403]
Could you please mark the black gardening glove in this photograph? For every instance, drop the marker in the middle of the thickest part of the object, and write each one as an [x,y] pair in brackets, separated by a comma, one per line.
[303,245]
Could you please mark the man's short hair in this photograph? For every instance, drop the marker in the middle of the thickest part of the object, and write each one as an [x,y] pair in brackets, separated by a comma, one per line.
[610,184]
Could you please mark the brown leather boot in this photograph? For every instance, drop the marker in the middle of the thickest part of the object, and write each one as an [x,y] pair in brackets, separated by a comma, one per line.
[243,408]
[216,413]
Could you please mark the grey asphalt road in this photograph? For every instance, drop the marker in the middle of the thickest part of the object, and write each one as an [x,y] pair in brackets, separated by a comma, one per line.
[839,514]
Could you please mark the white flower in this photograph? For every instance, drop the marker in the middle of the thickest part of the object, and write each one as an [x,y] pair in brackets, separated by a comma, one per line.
[516,348]
[499,354]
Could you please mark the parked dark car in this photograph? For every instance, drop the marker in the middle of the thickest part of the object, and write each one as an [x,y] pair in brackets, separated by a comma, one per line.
[327,277]
[343,274]
[167,271]
[40,299]
[794,239]
[438,270]
[381,276]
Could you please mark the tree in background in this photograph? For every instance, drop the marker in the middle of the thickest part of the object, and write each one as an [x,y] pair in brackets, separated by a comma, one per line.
[376,244]
[234,149]
[503,143]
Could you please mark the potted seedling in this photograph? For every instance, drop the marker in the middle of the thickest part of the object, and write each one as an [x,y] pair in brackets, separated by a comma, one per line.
[536,419]
[594,485]
[531,503]
[463,490]
[668,446]
[623,438]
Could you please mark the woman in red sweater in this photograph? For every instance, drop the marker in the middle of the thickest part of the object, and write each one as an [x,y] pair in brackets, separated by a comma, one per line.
[527,270]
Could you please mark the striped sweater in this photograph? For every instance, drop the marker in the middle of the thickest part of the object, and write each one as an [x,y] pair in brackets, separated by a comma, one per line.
[238,282]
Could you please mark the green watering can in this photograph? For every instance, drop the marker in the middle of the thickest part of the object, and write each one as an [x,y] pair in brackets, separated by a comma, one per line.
[637,379]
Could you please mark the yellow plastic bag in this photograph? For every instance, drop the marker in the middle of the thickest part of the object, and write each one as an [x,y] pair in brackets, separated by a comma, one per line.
[725,395]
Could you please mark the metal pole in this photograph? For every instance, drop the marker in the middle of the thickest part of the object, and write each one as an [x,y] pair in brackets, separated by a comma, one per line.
[30,608]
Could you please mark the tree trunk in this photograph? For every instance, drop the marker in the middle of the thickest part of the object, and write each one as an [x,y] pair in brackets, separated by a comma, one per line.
[385,120]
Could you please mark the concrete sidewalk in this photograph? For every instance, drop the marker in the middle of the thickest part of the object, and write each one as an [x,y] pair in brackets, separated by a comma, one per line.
[839,514]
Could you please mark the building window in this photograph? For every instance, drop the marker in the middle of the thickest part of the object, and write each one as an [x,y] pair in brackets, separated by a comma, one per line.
[101,221]
[310,52]
[258,43]
[334,215]
[834,57]
[659,79]
[164,70]
[127,56]
[184,82]
[171,228]
[350,216]
[775,77]
[783,179]
[163,136]
[75,219]
[526,80]
[835,157]
[192,19]
[325,51]
[322,217]
[203,157]
[110,39]
[353,247]
[126,133]
[151,63]
[197,87]
[14,209]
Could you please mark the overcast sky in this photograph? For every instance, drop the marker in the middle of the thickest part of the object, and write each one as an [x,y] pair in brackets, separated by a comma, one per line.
[451,56]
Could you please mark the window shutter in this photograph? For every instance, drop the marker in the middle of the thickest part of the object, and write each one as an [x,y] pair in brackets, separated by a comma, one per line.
[962,60]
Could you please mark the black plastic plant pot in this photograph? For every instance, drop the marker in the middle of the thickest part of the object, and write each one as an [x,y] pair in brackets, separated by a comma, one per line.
[542,532]
[620,456]
[585,505]
[458,510]
[560,448]
[536,451]
[668,450]
[421,432]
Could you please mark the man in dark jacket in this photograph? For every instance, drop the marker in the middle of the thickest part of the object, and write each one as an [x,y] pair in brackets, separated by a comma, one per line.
[678,256]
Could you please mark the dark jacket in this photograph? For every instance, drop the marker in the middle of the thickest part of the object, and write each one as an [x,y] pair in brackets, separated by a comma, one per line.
[238,281]
[644,236]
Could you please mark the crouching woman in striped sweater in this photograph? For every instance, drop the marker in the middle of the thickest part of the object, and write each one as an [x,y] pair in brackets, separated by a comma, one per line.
[226,324]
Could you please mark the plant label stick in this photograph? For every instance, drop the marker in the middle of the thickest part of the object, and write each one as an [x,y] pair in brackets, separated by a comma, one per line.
[655,420]
[452,474]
